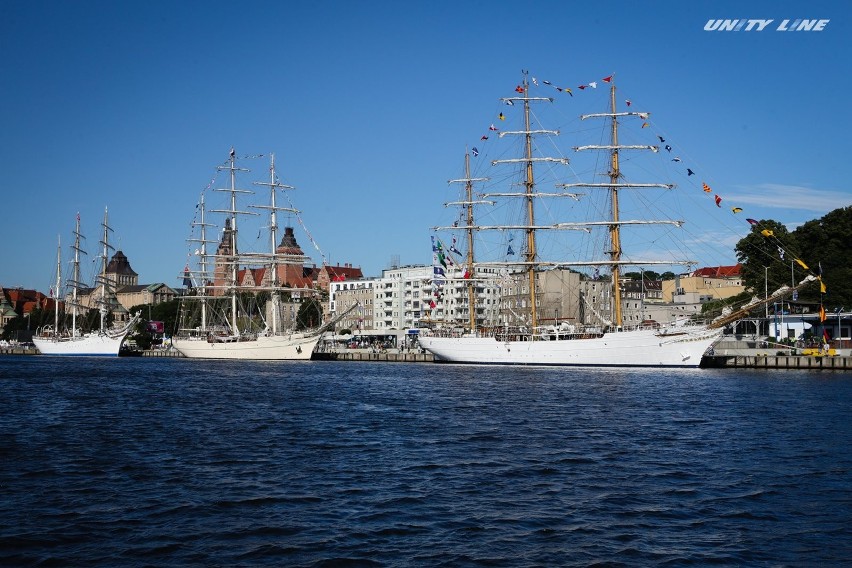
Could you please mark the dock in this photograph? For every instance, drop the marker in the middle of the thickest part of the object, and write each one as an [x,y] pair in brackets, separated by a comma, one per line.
[366,355]
[804,362]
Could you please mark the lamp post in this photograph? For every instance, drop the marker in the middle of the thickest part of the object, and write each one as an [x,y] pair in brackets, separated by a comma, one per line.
[839,332]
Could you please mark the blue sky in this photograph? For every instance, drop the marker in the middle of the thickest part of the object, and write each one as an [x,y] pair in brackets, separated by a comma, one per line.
[368,107]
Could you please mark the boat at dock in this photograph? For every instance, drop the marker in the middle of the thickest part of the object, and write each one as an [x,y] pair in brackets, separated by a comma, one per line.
[528,339]
[221,316]
[65,337]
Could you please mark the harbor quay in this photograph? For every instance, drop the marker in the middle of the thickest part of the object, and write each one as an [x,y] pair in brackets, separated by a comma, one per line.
[837,362]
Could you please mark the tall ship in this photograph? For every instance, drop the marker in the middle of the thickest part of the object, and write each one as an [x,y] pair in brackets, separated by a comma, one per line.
[65,336]
[223,317]
[529,338]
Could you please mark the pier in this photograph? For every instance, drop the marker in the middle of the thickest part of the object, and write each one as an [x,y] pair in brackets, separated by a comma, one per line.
[367,355]
[803,362]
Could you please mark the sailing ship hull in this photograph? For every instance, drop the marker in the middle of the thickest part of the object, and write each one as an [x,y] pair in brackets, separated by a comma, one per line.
[265,348]
[92,344]
[640,348]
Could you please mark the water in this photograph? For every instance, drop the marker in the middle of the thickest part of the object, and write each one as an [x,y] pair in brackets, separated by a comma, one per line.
[160,462]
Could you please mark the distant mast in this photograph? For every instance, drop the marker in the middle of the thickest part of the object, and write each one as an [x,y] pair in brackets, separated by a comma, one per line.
[232,215]
[75,277]
[57,286]
[204,259]
[273,185]
[106,248]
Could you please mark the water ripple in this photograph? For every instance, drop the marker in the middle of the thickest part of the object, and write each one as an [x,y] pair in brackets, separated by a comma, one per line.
[200,463]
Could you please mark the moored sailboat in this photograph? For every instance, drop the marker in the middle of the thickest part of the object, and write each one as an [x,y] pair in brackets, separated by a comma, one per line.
[107,339]
[610,342]
[211,332]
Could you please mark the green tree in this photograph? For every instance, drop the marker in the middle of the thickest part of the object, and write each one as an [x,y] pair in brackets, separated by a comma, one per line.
[820,244]
[826,243]
[309,315]
[760,258]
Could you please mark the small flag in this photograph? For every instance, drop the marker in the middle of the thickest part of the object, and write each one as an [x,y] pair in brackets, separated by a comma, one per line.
[644,125]
[736,209]
[593,85]
[627,101]
[582,87]
[781,253]
[821,286]
[510,102]
[767,233]
[662,140]
[689,172]
[483,137]
[501,117]
[492,127]
[669,148]
[802,264]
[607,79]
[519,89]
[547,82]
[232,154]
[718,201]
[474,151]
[535,82]
[510,251]
[676,159]
[822,316]
[753,221]
[706,188]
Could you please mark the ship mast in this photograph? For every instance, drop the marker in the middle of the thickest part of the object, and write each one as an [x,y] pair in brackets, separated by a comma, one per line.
[471,290]
[105,293]
[75,277]
[232,215]
[468,205]
[529,184]
[615,223]
[614,231]
[57,285]
[204,260]
[273,235]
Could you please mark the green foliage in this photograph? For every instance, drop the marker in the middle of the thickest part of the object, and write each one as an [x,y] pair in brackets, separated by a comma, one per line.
[647,274]
[821,242]
[309,315]
[166,312]
[827,242]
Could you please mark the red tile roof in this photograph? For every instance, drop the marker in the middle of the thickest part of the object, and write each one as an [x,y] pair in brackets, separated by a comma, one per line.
[719,271]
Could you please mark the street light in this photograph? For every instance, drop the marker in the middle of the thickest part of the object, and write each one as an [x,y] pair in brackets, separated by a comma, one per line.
[839,332]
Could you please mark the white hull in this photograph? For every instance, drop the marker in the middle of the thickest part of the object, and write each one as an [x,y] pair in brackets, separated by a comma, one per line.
[265,348]
[639,348]
[92,344]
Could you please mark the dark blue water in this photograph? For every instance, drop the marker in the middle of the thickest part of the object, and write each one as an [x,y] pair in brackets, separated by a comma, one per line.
[169,462]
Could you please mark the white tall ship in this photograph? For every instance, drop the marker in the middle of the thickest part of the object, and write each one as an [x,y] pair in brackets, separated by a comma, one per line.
[59,339]
[609,342]
[214,322]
